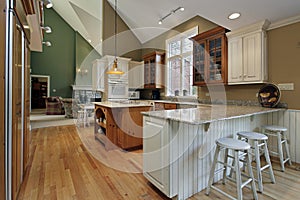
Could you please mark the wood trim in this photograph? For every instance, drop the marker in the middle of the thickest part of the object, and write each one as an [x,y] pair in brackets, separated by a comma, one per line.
[28,6]
[21,26]
[154,53]
[210,33]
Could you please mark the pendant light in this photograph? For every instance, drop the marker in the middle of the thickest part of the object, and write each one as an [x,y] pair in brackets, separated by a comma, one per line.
[114,69]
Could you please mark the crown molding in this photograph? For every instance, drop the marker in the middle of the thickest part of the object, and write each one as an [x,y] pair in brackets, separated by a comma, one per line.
[284,22]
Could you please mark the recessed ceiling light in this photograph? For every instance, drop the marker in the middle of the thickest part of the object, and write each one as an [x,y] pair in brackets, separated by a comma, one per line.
[234,15]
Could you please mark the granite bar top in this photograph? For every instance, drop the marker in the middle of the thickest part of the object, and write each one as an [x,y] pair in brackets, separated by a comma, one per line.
[209,113]
[122,104]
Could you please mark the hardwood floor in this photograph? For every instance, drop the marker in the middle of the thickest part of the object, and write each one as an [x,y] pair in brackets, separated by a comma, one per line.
[61,167]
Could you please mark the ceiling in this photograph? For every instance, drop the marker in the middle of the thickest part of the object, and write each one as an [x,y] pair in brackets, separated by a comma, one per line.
[142,16]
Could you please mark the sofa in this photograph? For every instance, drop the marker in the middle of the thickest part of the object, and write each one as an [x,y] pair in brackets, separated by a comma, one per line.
[54,106]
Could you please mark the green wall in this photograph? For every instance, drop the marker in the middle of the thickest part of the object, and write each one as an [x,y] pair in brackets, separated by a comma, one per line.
[58,61]
[85,55]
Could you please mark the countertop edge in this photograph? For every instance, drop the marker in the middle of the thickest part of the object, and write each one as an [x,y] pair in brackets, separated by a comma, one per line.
[149,114]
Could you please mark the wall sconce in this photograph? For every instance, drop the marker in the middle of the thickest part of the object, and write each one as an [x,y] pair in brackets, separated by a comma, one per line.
[170,13]
[47,43]
[48,3]
[82,71]
[47,29]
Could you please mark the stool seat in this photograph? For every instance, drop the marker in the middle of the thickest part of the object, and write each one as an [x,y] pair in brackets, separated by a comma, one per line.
[252,135]
[274,128]
[234,144]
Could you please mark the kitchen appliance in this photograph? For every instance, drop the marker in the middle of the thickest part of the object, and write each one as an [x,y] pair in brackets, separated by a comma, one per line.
[134,94]
[155,95]
[117,89]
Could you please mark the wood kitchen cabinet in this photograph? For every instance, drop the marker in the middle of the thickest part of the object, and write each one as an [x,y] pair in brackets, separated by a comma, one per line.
[154,70]
[210,57]
[165,106]
[247,58]
[131,128]
[120,127]
[106,128]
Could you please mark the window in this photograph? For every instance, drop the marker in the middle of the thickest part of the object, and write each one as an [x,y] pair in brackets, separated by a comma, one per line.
[179,59]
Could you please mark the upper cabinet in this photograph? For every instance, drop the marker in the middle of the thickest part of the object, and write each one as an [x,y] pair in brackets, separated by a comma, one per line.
[210,57]
[247,58]
[154,70]
[135,75]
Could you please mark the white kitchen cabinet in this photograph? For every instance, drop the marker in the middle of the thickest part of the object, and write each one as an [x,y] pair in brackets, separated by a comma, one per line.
[247,58]
[136,75]
[98,75]
[158,167]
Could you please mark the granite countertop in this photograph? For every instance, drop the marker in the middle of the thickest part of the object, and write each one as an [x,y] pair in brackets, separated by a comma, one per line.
[209,113]
[177,102]
[122,104]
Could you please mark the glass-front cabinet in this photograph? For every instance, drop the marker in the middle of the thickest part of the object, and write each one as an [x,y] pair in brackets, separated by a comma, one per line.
[210,57]
[154,70]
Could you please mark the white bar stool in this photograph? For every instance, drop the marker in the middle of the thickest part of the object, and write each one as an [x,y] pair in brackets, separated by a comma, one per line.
[259,145]
[82,118]
[237,146]
[280,133]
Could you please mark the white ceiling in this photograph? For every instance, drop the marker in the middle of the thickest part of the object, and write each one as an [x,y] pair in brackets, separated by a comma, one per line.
[142,16]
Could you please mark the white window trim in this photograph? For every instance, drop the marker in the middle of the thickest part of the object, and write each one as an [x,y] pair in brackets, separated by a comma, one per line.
[168,41]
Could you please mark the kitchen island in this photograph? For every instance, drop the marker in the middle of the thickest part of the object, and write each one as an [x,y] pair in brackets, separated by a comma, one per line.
[119,125]
[178,145]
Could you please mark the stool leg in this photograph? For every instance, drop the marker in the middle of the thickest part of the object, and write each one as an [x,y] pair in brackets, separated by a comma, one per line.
[267,157]
[253,188]
[212,170]
[238,175]
[258,166]
[287,148]
[225,167]
[280,152]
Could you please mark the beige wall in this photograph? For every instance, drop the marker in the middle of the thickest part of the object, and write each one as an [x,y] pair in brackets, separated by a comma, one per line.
[284,60]
[127,43]
[158,43]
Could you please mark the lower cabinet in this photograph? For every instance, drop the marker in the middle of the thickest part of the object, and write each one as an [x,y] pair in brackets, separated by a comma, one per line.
[130,133]
[158,167]
[123,127]
[165,106]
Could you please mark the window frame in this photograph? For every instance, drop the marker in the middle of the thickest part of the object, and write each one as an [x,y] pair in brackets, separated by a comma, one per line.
[180,37]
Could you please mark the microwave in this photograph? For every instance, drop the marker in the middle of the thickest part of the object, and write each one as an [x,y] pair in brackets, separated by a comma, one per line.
[134,94]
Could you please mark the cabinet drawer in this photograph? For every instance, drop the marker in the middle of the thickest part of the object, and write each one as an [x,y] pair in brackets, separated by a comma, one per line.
[170,106]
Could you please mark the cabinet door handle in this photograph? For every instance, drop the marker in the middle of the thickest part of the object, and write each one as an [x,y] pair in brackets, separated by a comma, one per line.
[245,75]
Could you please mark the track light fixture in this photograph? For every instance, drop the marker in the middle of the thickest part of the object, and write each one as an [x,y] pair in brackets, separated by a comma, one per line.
[47,29]
[48,3]
[170,13]
[47,43]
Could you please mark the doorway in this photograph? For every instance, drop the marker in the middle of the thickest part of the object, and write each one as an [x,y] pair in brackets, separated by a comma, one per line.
[40,90]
